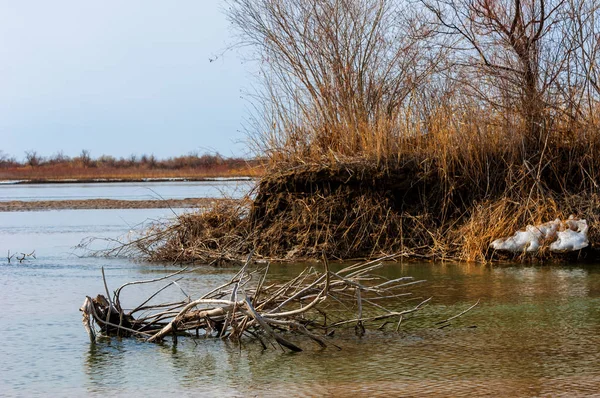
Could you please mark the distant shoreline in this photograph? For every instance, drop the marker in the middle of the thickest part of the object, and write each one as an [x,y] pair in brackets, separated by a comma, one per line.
[120,180]
[191,203]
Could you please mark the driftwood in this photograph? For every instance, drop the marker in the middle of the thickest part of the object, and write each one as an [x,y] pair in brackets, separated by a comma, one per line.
[250,305]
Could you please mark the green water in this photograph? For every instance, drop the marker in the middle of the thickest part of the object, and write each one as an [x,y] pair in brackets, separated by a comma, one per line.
[535,332]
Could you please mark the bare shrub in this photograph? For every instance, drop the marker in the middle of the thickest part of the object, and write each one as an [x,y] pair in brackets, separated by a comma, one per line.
[336,74]
[86,159]
[32,158]
[7,161]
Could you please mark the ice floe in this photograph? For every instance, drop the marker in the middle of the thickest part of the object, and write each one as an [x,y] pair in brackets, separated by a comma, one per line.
[10,182]
[563,236]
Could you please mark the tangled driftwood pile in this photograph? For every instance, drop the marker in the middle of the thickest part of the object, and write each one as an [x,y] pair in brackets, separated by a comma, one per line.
[312,304]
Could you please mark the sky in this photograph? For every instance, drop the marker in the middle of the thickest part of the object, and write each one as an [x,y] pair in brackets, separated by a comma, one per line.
[120,77]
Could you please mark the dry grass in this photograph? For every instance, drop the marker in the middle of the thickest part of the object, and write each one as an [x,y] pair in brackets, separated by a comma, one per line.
[68,172]
[442,195]
[363,210]
[502,217]
[217,233]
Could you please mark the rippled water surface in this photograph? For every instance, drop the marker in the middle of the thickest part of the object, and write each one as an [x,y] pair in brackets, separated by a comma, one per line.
[536,331]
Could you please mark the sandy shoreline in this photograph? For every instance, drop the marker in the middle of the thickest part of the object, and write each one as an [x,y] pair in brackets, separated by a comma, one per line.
[17,205]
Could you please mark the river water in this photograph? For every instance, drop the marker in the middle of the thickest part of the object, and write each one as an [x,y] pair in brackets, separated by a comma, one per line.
[536,331]
[125,190]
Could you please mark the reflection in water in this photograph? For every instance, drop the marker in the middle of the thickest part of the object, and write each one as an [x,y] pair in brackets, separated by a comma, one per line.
[104,361]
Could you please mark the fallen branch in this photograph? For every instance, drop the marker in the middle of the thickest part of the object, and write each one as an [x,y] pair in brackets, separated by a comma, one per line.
[250,304]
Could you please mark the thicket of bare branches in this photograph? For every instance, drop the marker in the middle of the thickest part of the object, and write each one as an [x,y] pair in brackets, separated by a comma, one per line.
[254,306]
[359,77]
[533,58]
[336,74]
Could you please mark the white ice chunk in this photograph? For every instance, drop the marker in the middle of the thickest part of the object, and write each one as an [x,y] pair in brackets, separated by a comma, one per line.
[547,230]
[565,236]
[520,241]
[574,237]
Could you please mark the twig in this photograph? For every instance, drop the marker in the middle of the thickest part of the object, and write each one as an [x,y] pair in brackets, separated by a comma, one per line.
[268,329]
[456,316]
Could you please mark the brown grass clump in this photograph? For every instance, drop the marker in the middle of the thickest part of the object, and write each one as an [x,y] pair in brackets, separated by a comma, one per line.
[432,207]
[216,233]
[219,233]
[445,196]
[343,226]
[343,210]
[360,210]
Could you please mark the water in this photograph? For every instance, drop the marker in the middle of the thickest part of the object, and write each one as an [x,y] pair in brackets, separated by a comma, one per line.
[536,331]
[125,191]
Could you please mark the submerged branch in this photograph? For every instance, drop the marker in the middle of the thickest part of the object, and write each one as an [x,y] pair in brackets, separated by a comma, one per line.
[258,307]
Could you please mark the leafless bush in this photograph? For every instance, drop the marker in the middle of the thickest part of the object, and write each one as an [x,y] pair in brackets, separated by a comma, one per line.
[6,160]
[58,158]
[86,159]
[336,74]
[531,59]
[32,158]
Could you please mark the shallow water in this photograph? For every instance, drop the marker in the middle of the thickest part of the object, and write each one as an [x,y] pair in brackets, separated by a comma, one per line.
[536,331]
[125,190]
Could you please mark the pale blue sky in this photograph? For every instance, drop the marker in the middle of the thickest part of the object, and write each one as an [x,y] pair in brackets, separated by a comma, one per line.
[118,77]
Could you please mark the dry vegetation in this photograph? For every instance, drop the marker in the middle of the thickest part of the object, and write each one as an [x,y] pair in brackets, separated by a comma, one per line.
[423,128]
[409,129]
[85,168]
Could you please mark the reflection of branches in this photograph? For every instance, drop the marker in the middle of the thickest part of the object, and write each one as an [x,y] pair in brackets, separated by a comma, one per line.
[311,304]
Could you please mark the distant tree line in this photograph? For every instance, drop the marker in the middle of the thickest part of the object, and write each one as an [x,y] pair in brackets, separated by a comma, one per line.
[190,161]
